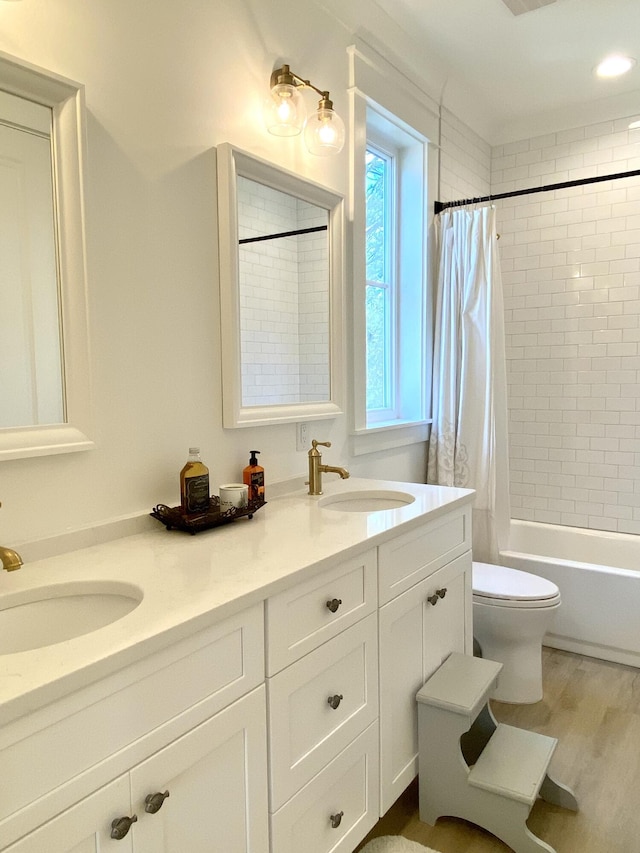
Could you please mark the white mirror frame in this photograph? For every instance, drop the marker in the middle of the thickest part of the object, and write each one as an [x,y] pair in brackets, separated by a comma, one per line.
[66,99]
[231,163]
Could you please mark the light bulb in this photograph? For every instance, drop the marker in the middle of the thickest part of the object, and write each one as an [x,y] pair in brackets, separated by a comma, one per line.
[324,132]
[284,111]
[327,133]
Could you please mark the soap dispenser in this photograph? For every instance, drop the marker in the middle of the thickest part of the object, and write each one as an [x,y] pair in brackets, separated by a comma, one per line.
[253,477]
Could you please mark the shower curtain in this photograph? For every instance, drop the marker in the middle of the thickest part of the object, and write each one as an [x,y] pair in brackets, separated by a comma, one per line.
[468,443]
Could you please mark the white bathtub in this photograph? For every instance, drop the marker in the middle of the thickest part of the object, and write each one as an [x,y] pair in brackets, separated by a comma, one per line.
[598,574]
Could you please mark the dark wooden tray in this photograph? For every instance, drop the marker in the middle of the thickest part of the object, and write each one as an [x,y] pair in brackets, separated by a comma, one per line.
[174,519]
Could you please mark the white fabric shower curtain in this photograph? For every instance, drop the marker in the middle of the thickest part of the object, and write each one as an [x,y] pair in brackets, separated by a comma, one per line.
[468,444]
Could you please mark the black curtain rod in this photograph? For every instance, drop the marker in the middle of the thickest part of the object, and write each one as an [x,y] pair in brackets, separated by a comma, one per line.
[443,205]
[283,234]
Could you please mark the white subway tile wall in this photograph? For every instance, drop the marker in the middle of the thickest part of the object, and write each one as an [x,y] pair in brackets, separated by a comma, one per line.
[465,161]
[571,276]
[284,299]
[313,307]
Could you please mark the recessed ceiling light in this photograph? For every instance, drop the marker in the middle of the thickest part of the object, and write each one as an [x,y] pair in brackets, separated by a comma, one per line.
[613,66]
[634,124]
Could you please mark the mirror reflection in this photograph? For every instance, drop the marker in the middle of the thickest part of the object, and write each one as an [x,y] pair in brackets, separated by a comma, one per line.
[31,374]
[283,272]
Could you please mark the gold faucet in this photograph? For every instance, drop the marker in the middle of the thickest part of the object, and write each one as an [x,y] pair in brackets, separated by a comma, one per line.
[11,560]
[316,469]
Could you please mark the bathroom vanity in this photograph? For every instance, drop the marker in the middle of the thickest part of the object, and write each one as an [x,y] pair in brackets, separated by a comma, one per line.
[261,695]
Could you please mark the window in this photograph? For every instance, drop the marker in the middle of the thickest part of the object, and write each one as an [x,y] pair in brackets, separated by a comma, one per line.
[393,178]
[395,273]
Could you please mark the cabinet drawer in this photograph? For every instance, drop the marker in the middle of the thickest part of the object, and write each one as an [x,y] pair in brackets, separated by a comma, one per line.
[348,785]
[305,731]
[409,558]
[300,619]
[100,730]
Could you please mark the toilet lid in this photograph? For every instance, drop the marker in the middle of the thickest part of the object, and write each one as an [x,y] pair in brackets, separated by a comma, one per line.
[504,585]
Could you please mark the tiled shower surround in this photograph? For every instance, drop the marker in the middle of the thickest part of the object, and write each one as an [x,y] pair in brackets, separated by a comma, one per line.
[465,161]
[571,276]
[284,333]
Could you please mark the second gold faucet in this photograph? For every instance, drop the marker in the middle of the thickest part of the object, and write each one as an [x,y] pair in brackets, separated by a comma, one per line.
[10,560]
[317,469]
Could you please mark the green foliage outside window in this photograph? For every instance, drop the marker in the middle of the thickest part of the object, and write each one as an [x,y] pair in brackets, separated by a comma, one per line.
[376,297]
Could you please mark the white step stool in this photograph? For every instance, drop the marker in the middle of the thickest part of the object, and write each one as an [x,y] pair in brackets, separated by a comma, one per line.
[471,766]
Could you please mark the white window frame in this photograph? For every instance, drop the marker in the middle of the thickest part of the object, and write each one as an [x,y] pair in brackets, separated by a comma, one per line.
[379,89]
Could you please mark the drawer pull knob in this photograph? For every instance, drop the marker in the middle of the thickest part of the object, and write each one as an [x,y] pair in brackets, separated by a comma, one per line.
[153,802]
[433,599]
[334,701]
[336,819]
[334,604]
[441,592]
[121,825]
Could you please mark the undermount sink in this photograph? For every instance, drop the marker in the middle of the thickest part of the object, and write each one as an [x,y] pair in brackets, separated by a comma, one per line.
[373,500]
[34,618]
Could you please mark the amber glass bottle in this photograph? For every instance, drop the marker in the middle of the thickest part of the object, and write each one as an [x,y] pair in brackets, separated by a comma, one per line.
[253,476]
[194,484]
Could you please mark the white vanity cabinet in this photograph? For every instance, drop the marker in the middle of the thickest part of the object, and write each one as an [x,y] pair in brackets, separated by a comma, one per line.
[418,629]
[173,723]
[208,787]
[421,613]
[215,776]
[286,723]
[322,653]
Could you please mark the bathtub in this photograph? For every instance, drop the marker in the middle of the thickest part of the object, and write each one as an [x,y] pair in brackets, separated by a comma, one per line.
[598,574]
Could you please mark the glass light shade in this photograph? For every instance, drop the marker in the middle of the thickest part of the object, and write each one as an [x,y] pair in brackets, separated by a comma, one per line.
[324,132]
[284,110]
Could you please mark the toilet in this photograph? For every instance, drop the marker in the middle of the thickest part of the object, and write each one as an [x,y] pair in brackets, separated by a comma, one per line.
[512,611]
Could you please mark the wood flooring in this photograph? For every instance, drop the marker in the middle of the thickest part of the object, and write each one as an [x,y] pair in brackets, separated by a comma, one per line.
[593,708]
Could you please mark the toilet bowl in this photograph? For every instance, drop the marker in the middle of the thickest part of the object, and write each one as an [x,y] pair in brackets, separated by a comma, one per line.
[512,611]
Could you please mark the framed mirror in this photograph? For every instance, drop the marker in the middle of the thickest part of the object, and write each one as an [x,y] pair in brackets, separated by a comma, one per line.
[281,257]
[44,384]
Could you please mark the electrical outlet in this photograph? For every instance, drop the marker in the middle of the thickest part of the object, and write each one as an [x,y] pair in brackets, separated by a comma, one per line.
[303,441]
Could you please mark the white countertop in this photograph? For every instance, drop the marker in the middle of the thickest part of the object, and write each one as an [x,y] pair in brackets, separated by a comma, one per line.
[189,582]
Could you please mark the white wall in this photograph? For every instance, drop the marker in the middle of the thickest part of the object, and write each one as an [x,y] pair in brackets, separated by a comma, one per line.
[571,275]
[165,83]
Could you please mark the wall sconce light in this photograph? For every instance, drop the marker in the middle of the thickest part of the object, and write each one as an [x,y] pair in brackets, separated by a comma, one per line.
[285,114]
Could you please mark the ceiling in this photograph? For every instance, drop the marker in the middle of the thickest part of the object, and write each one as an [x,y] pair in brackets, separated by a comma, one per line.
[534,68]
[508,75]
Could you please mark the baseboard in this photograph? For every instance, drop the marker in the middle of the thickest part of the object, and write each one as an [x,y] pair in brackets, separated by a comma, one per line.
[593,650]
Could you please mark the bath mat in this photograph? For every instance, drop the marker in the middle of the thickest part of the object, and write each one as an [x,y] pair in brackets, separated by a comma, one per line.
[395,844]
